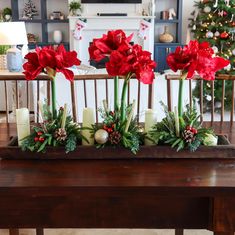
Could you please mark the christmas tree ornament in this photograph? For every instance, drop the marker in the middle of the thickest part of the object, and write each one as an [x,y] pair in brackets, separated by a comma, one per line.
[217,34]
[207,9]
[29,10]
[212,23]
[194,27]
[215,4]
[209,34]
[232,18]
[101,136]
[215,49]
[225,13]
[233,24]
[233,51]
[228,67]
[224,35]
[221,13]
[227,2]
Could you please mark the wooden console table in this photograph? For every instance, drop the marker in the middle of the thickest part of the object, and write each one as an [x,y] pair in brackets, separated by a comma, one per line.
[183,193]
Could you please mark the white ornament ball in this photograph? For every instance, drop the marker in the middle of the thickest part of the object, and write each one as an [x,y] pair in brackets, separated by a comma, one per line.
[233,51]
[209,34]
[228,67]
[217,33]
[215,49]
[207,9]
[101,136]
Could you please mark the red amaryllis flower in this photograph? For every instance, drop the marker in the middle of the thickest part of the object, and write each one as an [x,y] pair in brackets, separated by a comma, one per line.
[102,47]
[196,57]
[64,60]
[118,65]
[52,60]
[32,67]
[184,59]
[143,65]
[132,61]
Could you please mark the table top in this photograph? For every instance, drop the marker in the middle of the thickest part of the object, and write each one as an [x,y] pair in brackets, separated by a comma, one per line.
[204,176]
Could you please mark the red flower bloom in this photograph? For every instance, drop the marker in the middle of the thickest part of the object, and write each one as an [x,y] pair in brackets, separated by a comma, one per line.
[196,57]
[52,60]
[132,61]
[102,47]
[65,60]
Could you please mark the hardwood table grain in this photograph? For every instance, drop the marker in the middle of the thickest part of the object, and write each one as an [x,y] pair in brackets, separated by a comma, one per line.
[153,193]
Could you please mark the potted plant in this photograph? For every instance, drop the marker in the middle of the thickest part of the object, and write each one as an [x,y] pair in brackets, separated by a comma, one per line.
[3,59]
[75,8]
[7,13]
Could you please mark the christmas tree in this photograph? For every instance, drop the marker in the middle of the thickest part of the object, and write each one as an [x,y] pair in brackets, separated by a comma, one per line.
[214,21]
[29,10]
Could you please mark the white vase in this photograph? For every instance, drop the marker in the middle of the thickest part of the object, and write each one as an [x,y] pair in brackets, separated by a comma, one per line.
[57,36]
[3,62]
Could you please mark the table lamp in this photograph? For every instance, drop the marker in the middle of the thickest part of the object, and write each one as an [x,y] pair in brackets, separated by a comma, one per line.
[13,34]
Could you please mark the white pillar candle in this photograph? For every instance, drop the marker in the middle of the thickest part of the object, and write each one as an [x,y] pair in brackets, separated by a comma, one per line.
[150,120]
[23,124]
[88,121]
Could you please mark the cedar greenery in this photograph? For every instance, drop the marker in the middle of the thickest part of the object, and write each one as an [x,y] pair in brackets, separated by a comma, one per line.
[165,132]
[47,133]
[130,139]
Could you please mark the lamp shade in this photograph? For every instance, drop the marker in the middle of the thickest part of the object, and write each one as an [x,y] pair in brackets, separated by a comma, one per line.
[13,33]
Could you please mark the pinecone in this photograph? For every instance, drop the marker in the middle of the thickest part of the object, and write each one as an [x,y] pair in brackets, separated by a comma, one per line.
[115,138]
[60,134]
[189,134]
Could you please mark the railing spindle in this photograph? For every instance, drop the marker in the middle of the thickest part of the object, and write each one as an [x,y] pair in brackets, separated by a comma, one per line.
[38,98]
[201,99]
[107,90]
[27,95]
[48,93]
[190,93]
[6,102]
[232,108]
[16,94]
[222,101]
[73,100]
[96,101]
[169,95]
[85,97]
[212,101]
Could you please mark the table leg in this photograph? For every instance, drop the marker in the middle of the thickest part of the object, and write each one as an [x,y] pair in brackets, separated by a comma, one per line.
[179,232]
[39,231]
[13,231]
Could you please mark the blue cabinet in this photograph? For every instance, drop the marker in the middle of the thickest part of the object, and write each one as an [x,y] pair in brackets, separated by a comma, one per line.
[161,50]
[160,54]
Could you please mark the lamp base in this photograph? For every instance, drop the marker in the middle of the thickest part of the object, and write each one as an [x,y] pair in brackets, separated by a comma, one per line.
[14,59]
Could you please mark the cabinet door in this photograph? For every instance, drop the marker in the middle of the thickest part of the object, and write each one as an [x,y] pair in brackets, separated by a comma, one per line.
[160,54]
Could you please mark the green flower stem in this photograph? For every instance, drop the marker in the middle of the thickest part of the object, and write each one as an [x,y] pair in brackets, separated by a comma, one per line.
[123,99]
[180,94]
[53,94]
[116,98]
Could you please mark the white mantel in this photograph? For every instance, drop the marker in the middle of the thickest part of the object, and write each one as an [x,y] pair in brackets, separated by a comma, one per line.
[98,25]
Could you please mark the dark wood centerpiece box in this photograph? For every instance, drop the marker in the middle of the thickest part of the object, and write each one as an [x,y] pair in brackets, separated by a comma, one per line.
[223,150]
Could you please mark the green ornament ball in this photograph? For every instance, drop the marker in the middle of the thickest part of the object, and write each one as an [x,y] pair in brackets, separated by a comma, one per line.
[101,136]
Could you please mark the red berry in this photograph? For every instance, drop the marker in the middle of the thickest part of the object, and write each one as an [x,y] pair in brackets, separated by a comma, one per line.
[41,139]
[105,127]
[113,126]
[36,139]
[39,133]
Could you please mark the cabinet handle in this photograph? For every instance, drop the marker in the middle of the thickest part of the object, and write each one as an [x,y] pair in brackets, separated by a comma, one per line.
[169,51]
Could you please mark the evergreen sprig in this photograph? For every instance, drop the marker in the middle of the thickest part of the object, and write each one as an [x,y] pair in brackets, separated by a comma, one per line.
[164,132]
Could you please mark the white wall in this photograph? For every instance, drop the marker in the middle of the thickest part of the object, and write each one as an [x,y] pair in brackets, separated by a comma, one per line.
[187,9]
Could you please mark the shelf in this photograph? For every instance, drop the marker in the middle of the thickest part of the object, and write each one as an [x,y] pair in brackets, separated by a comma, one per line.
[31,21]
[57,21]
[166,21]
[167,44]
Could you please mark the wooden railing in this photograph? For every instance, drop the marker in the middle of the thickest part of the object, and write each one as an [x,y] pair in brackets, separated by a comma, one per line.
[221,78]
